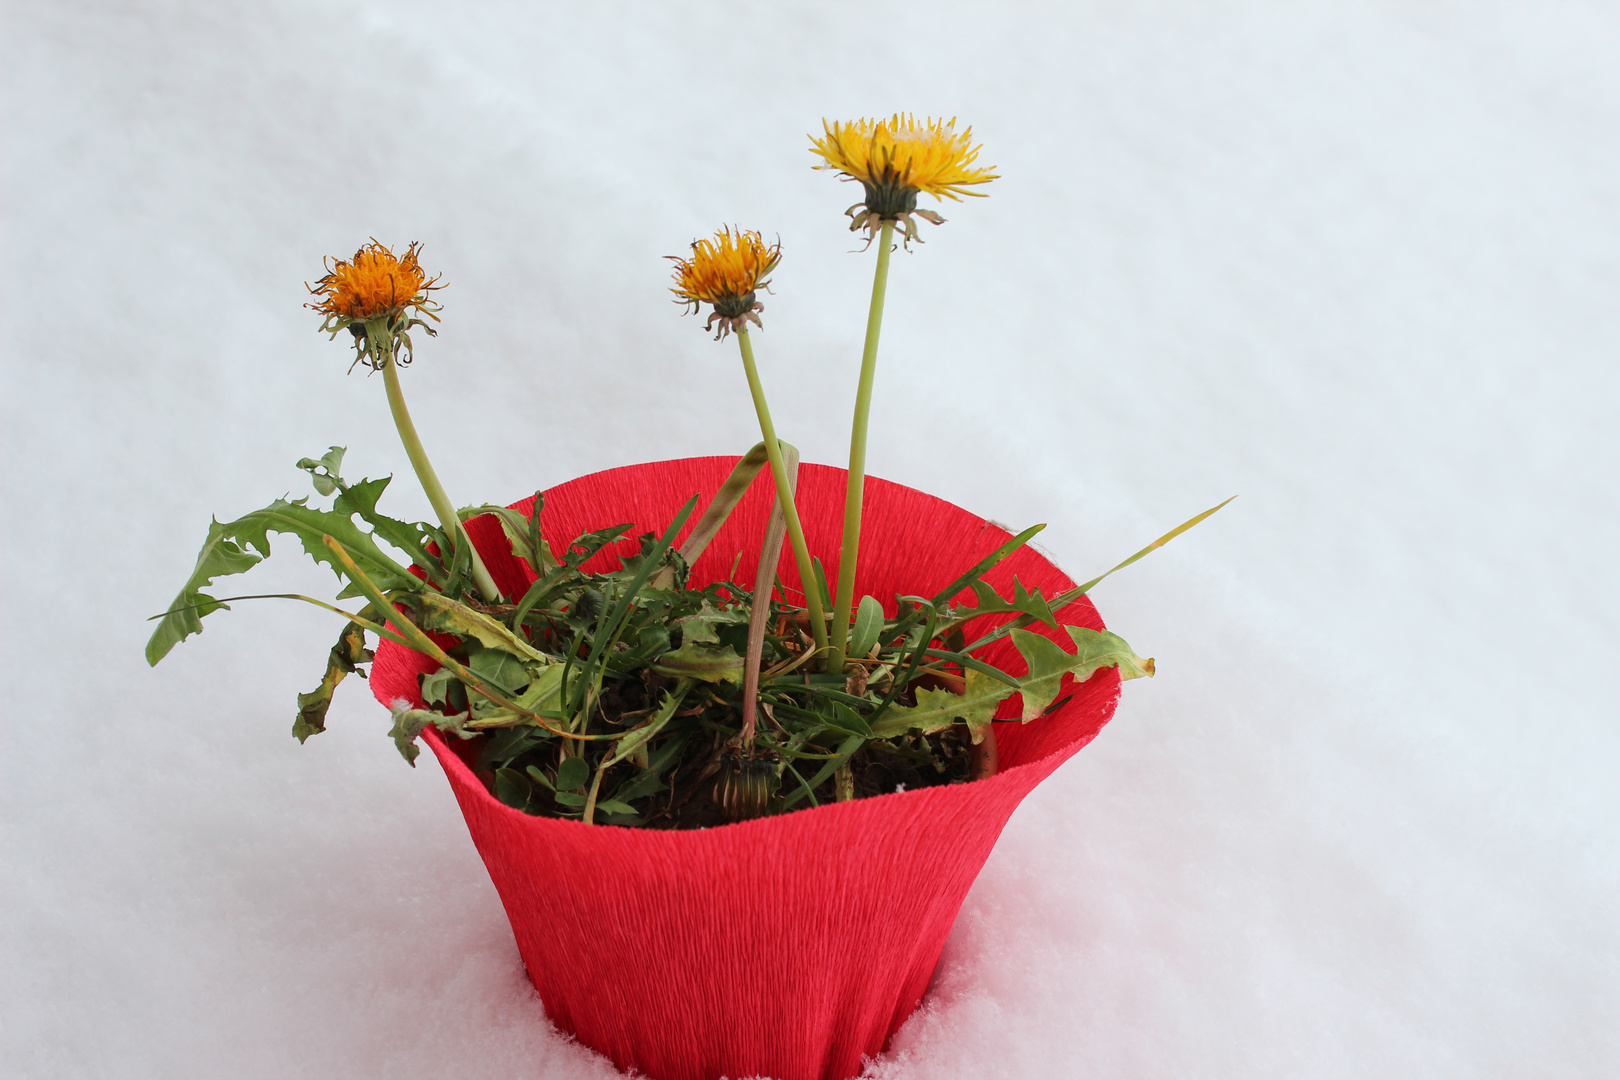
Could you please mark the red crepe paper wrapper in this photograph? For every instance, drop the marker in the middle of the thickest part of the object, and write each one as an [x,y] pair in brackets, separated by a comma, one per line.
[790,946]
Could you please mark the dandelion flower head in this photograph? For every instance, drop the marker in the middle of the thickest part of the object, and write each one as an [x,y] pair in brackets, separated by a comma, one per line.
[895,160]
[727,272]
[377,298]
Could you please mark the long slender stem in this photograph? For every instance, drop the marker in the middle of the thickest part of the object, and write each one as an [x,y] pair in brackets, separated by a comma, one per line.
[769,553]
[442,506]
[784,494]
[855,489]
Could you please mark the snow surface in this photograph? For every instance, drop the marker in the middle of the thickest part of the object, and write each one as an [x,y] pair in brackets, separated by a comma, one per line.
[1355,263]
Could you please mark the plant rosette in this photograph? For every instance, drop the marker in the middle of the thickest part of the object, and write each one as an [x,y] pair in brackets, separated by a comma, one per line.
[733,737]
[790,946]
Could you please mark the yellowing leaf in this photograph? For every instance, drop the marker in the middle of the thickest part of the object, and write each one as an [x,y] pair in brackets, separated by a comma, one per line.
[448,616]
[349,651]
[1048,663]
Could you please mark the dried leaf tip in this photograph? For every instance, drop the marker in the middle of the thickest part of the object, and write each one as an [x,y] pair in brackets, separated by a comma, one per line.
[897,159]
[726,272]
[378,298]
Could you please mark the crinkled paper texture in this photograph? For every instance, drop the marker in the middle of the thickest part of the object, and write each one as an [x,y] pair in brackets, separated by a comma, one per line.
[789,946]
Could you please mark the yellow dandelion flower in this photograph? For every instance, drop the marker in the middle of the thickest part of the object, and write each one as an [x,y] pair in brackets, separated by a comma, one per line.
[377,298]
[896,159]
[726,272]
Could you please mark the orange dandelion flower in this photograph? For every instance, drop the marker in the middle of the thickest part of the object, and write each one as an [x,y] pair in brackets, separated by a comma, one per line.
[896,159]
[726,272]
[377,298]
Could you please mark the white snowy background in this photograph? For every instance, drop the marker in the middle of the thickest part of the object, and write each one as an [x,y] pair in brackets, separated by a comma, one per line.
[1355,263]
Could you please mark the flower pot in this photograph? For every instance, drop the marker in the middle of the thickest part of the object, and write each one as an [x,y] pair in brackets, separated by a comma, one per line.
[789,946]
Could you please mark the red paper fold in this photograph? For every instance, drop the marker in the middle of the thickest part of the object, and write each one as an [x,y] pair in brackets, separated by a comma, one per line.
[788,946]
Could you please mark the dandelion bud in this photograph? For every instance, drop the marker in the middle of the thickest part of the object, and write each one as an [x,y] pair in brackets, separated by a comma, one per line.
[744,788]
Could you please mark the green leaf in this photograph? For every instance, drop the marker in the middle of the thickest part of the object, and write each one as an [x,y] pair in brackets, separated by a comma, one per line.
[648,783]
[639,735]
[572,772]
[978,569]
[239,545]
[349,651]
[537,543]
[220,555]
[512,788]
[544,697]
[436,687]
[332,463]
[1032,604]
[568,798]
[607,629]
[544,694]
[699,628]
[590,543]
[501,668]
[847,721]
[821,582]
[704,663]
[614,806]
[846,750]
[938,709]
[868,625]
[1064,599]
[1048,663]
[651,641]
[715,514]
[667,754]
[701,656]
[518,533]
[412,539]
[409,722]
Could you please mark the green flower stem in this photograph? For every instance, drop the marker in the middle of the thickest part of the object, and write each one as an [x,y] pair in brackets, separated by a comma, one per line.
[448,521]
[784,494]
[855,488]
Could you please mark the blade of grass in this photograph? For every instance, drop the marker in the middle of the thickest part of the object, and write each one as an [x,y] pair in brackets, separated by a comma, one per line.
[1064,599]
[989,561]
[380,631]
[716,513]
